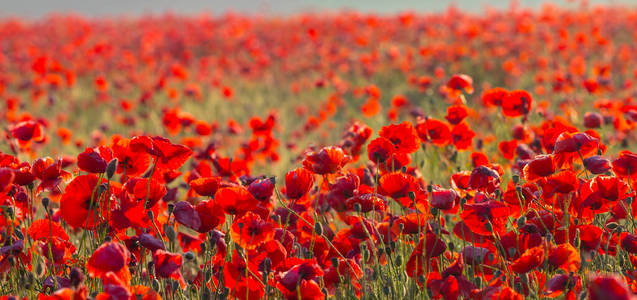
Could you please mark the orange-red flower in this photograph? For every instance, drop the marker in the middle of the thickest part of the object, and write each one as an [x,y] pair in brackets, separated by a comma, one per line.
[327,161]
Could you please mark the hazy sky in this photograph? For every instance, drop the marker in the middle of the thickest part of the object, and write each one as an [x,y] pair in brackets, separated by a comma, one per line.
[37,8]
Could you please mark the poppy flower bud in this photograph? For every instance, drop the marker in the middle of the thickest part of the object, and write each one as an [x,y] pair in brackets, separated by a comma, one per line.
[515,178]
[357,207]
[155,284]
[19,234]
[576,241]
[488,227]
[451,246]
[612,226]
[108,239]
[189,255]
[318,228]
[629,200]
[411,195]
[398,260]
[434,211]
[334,261]
[111,168]
[170,233]
[430,188]
[170,207]
[266,266]
[45,202]
[401,227]
[521,221]
[511,252]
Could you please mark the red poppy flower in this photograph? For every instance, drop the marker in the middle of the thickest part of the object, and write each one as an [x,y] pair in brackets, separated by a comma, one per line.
[600,194]
[484,177]
[250,230]
[479,159]
[131,162]
[262,189]
[563,182]
[460,82]
[625,165]
[206,186]
[529,260]
[80,201]
[462,136]
[27,131]
[303,270]
[561,283]
[494,96]
[150,242]
[109,257]
[6,179]
[94,161]
[150,189]
[235,200]
[398,185]
[420,260]
[42,229]
[444,198]
[456,113]
[569,146]
[593,120]
[478,215]
[368,202]
[171,156]
[210,214]
[380,149]
[327,161]
[605,287]
[629,243]
[167,265]
[433,130]
[507,148]
[298,182]
[540,166]
[49,172]
[597,164]
[565,257]
[403,136]
[516,103]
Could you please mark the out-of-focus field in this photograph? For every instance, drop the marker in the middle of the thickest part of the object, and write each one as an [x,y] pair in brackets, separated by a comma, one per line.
[496,168]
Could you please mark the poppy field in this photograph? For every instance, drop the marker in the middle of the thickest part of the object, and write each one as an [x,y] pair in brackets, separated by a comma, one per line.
[338,155]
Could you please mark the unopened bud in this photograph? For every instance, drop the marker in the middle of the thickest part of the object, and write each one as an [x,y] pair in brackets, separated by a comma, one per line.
[111,168]
[45,202]
[318,228]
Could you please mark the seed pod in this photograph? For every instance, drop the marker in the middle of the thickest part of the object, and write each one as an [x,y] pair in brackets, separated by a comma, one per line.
[170,232]
[318,228]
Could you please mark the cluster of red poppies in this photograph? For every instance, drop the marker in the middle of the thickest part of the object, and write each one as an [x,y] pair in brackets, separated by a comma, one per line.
[503,193]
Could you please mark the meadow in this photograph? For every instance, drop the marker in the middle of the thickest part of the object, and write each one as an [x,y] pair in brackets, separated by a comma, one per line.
[339,155]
